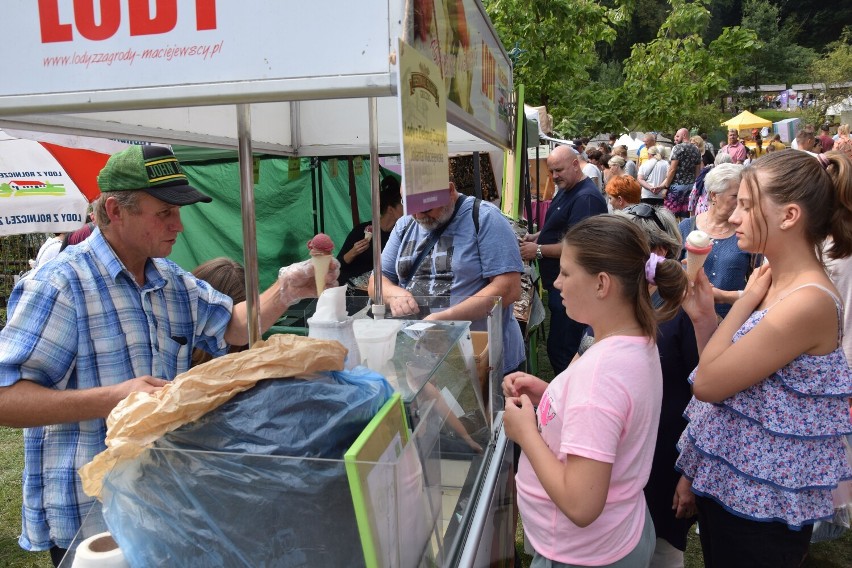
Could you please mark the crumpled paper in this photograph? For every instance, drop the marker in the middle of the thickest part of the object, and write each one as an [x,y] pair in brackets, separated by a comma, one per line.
[142,418]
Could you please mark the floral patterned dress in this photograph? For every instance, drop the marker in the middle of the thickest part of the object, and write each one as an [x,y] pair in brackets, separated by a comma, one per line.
[774,451]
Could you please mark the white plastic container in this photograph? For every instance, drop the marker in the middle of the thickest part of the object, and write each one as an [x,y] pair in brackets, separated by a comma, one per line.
[376,341]
[340,331]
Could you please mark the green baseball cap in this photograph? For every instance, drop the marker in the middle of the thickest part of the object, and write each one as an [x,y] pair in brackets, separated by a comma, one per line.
[152,169]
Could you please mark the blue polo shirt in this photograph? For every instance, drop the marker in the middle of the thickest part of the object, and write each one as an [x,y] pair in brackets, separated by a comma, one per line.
[567,208]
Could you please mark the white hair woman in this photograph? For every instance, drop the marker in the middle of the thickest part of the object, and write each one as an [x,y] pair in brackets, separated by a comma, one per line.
[698,196]
[727,267]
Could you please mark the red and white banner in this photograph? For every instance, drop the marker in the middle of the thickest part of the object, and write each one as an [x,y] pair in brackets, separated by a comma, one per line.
[45,187]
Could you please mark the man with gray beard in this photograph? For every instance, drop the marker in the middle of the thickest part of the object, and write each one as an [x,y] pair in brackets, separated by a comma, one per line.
[456,254]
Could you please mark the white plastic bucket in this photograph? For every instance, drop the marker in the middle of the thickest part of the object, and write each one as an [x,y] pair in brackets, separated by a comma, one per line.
[340,331]
[376,341]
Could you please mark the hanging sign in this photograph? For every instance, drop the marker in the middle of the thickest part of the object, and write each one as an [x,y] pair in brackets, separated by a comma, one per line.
[423,132]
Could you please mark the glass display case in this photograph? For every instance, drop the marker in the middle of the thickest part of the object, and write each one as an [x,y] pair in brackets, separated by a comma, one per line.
[445,497]
[482,349]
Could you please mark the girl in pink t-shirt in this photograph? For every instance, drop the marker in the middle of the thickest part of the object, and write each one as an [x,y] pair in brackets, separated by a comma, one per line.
[587,454]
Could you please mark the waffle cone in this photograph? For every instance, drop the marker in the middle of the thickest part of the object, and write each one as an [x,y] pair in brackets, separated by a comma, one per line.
[321,264]
[694,263]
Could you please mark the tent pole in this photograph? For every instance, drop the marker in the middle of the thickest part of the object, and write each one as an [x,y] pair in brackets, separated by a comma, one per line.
[316,172]
[353,192]
[249,227]
[319,215]
[320,210]
[534,220]
[477,177]
[378,306]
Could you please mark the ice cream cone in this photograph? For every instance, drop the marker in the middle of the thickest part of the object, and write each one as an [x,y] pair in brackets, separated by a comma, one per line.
[694,263]
[698,246]
[321,263]
[368,235]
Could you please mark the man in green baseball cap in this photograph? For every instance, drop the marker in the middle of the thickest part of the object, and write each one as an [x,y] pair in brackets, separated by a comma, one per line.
[138,211]
[108,317]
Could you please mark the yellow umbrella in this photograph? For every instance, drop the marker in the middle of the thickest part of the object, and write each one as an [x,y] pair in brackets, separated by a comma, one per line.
[746,120]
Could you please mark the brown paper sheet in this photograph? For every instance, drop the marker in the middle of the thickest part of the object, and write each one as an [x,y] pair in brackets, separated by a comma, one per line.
[141,418]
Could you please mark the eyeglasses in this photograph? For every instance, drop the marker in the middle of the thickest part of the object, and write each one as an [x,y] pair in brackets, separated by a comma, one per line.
[645,211]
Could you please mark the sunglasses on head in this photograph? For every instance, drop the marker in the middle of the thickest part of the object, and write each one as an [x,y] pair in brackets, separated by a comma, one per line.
[645,211]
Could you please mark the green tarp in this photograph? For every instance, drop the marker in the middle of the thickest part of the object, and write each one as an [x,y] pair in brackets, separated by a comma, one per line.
[284,207]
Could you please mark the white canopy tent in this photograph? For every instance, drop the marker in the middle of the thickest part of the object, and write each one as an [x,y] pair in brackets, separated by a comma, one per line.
[631,143]
[839,108]
[304,79]
[337,127]
[307,93]
[277,77]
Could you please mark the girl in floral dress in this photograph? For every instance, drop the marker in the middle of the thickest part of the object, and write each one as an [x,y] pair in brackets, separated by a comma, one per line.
[763,449]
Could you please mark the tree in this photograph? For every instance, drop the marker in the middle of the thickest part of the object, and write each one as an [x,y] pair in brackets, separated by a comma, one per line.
[816,21]
[776,58]
[665,83]
[556,44]
[834,70]
[669,81]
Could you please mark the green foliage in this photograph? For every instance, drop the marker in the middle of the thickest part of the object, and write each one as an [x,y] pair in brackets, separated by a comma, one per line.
[685,19]
[836,66]
[609,75]
[669,80]
[705,118]
[776,58]
[11,466]
[558,39]
[662,84]
[833,69]
[677,77]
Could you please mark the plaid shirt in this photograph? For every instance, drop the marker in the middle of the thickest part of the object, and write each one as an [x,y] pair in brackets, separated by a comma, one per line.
[81,322]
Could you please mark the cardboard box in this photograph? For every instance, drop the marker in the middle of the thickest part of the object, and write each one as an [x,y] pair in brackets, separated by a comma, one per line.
[480,354]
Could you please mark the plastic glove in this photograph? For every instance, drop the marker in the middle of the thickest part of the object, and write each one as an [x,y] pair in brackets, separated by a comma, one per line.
[296,282]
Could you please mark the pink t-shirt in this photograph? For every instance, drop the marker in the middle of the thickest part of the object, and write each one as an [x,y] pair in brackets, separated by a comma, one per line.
[738,152]
[605,407]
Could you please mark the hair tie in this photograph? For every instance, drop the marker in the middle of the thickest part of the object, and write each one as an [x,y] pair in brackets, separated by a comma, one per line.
[824,162]
[651,267]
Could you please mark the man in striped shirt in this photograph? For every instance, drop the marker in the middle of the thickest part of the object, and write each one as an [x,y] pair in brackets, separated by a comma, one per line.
[106,318]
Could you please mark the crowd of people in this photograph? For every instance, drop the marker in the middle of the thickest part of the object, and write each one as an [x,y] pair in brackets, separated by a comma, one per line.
[723,400]
[750,429]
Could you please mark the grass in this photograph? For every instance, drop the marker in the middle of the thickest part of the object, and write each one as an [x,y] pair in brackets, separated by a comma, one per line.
[775,115]
[11,464]
[830,554]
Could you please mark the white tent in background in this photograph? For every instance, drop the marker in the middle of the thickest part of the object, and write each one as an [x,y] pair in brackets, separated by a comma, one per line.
[626,140]
[837,109]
